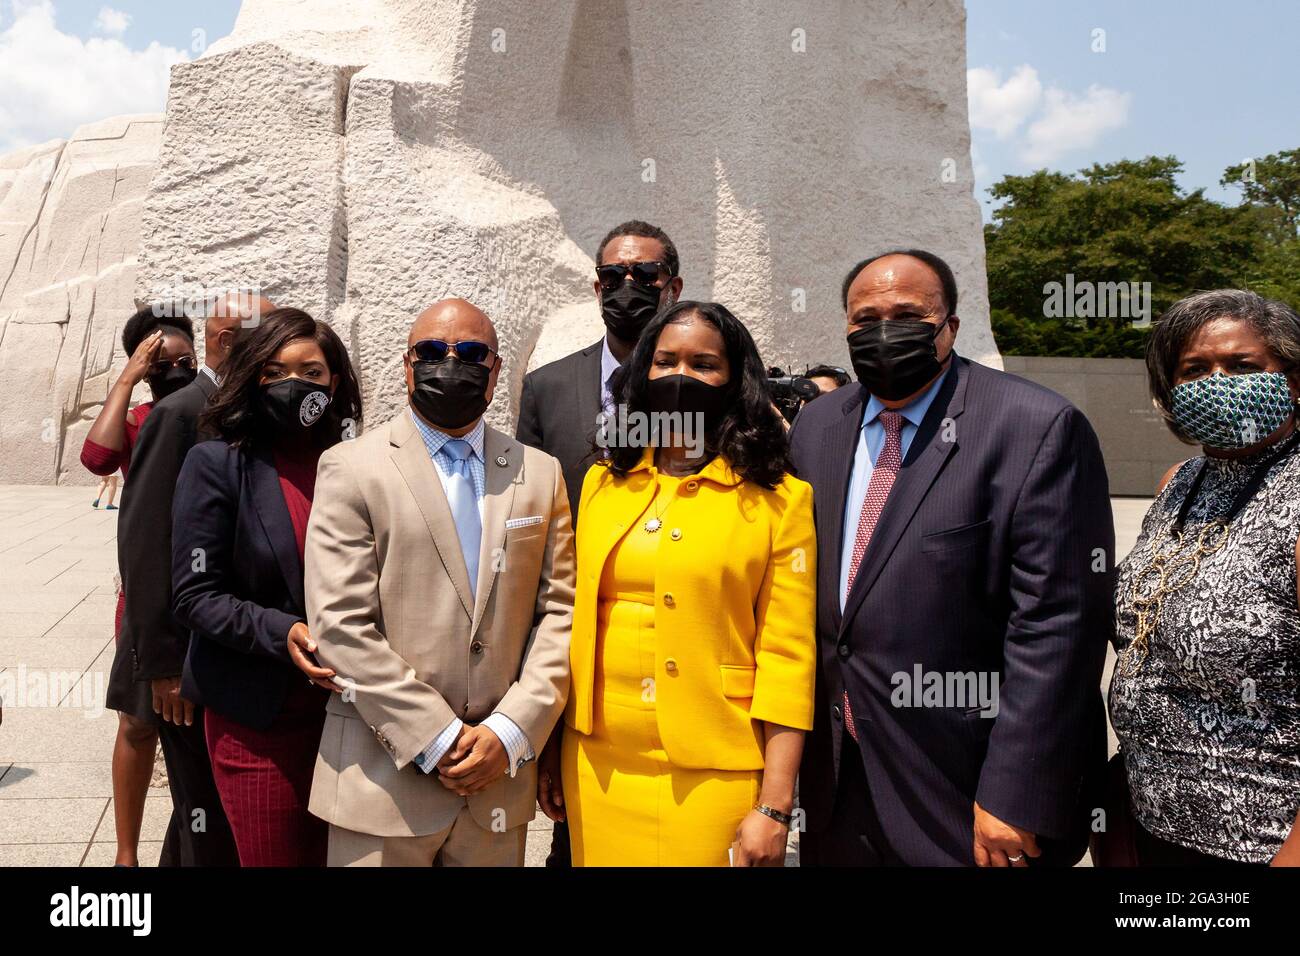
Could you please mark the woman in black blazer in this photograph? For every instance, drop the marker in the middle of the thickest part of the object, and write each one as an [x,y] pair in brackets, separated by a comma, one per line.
[239,521]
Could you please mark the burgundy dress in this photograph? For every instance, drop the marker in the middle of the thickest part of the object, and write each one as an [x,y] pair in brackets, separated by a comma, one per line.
[264,776]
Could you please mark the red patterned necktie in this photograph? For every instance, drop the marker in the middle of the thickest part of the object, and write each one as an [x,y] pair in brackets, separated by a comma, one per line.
[882,479]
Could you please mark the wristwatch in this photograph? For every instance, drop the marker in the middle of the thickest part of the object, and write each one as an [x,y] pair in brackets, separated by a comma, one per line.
[784,819]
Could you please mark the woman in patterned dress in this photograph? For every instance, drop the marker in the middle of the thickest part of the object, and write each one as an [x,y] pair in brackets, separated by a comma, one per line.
[1206,693]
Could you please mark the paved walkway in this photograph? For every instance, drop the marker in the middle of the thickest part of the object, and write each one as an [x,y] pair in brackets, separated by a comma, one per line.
[57,597]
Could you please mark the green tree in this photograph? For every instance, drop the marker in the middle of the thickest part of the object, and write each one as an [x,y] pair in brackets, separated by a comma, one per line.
[1129,221]
[1126,221]
[1270,189]
[1271,184]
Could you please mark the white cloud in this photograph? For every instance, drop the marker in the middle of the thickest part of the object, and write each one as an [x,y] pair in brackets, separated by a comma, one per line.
[979,168]
[1044,123]
[52,82]
[1072,122]
[113,22]
[1002,107]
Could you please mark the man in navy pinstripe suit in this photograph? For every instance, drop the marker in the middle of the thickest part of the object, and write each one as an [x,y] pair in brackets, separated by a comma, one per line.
[965,563]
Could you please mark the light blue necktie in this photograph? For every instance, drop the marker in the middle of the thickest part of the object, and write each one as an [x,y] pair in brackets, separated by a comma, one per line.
[464,506]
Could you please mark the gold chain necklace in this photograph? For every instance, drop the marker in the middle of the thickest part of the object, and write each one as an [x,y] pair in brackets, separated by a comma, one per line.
[656,522]
[1171,571]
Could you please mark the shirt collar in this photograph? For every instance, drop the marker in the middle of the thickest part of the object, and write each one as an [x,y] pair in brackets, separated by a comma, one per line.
[435,438]
[914,411]
[211,373]
[608,364]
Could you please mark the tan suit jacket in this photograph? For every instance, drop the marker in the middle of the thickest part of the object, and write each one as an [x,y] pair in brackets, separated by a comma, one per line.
[388,603]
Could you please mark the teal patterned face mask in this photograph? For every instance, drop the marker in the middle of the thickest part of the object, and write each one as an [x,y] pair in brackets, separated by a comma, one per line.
[1232,411]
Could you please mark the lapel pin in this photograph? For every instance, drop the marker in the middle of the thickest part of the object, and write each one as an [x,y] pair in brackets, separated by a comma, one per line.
[501,460]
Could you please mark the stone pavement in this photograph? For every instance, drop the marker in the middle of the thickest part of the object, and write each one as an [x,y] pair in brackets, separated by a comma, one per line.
[57,597]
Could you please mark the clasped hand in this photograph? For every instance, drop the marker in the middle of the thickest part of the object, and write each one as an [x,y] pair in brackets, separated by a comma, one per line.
[476,760]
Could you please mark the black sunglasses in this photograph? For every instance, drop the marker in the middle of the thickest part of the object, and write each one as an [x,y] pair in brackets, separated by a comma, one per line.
[644,274]
[435,350]
[159,366]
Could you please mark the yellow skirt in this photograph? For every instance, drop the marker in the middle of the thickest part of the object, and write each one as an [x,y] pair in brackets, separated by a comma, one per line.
[626,804]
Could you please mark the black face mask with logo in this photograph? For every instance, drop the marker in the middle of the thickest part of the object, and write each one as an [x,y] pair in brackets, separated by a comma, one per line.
[450,393]
[162,384]
[688,395]
[895,358]
[628,309]
[293,405]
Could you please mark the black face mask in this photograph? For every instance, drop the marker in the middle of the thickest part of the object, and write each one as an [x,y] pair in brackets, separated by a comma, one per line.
[628,309]
[688,395]
[293,405]
[162,384]
[450,393]
[894,358]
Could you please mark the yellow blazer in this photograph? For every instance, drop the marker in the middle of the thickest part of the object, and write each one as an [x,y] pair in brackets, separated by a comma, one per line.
[735,608]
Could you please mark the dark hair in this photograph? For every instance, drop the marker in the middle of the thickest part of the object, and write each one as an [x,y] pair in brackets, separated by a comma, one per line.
[840,376]
[155,316]
[635,227]
[1275,322]
[941,269]
[751,436]
[232,413]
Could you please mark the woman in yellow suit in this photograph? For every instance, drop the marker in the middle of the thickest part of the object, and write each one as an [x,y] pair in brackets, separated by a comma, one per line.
[693,635]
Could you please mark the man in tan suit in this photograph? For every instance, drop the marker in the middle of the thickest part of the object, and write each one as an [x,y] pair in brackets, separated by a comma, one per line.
[439,587]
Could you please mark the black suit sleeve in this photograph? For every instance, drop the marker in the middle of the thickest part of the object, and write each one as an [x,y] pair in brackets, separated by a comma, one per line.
[528,431]
[145,530]
[203,553]
[1062,543]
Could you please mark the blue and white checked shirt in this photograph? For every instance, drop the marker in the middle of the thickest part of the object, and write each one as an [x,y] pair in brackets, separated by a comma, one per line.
[435,439]
[518,748]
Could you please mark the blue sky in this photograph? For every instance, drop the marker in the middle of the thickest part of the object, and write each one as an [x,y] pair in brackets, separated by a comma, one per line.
[1209,82]
[68,62]
[170,22]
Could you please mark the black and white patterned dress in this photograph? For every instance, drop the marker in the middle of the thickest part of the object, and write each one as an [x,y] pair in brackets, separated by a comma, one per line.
[1210,723]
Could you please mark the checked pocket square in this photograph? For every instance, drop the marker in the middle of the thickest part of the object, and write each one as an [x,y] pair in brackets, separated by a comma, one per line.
[512,523]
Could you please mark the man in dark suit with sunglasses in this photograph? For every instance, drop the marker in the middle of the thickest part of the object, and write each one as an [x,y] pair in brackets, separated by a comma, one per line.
[636,276]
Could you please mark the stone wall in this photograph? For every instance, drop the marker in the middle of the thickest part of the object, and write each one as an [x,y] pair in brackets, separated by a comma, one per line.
[363,160]
[1113,394]
[69,237]
[373,158]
